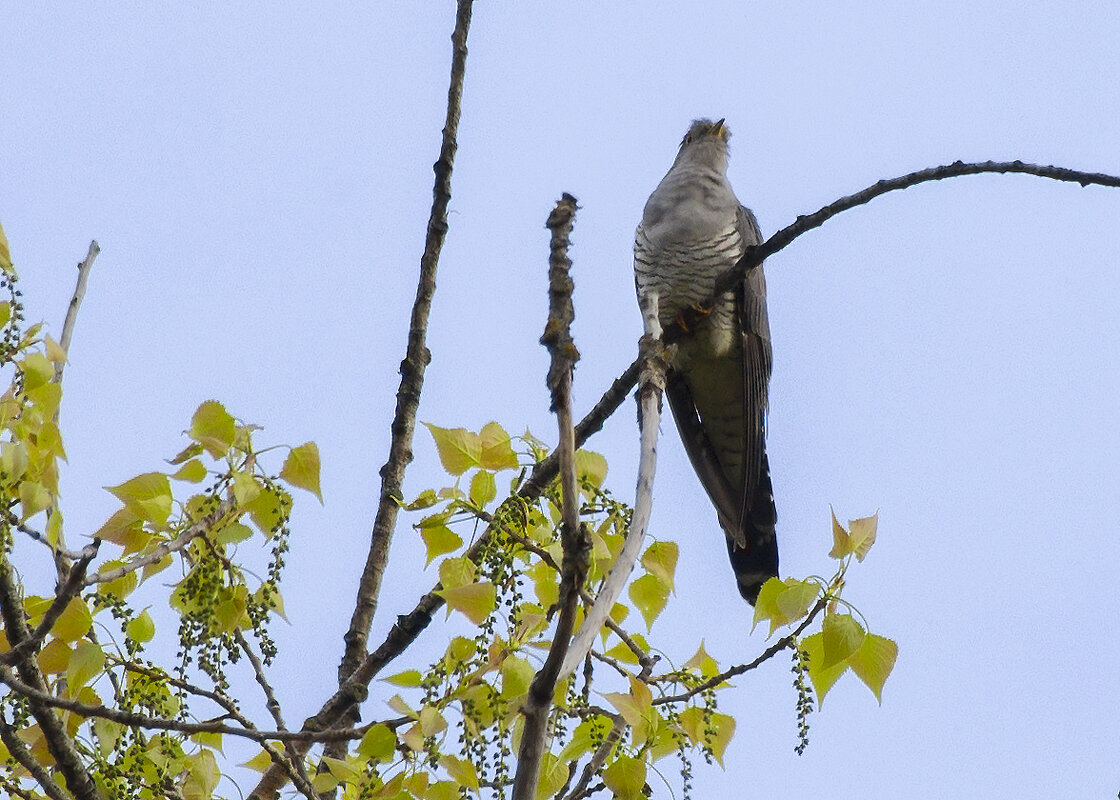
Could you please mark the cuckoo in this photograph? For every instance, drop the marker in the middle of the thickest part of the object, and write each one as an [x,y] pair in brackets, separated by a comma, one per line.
[693,228]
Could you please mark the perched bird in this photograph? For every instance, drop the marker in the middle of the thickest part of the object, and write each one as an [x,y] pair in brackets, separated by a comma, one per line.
[693,228]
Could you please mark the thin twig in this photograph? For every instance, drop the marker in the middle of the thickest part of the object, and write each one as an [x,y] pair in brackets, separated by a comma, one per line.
[600,756]
[766,655]
[573,536]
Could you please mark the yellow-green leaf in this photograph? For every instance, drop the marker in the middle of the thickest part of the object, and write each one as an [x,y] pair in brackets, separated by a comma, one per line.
[86,661]
[13,462]
[301,468]
[55,353]
[591,468]
[724,726]
[259,763]
[626,777]
[873,661]
[341,769]
[823,678]
[233,533]
[5,253]
[439,539]
[863,532]
[202,776]
[410,678]
[431,721]
[74,622]
[483,489]
[55,657]
[650,594]
[458,448]
[37,370]
[33,498]
[379,744]
[213,428]
[841,542]
[461,771]
[517,674]
[552,776]
[245,488]
[660,558]
[148,496]
[703,663]
[476,601]
[190,451]
[497,454]
[142,628]
[843,636]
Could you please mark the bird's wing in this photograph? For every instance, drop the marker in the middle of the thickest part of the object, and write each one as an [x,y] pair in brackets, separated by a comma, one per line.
[757,363]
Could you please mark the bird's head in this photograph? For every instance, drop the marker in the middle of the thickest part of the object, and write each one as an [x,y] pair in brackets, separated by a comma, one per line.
[706,142]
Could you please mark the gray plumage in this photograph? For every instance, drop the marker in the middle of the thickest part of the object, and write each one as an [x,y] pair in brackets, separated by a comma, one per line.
[694,228]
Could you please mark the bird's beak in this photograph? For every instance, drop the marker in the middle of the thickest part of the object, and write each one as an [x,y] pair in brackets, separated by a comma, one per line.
[717,129]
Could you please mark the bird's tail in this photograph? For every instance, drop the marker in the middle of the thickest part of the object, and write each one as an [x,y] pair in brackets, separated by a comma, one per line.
[758,561]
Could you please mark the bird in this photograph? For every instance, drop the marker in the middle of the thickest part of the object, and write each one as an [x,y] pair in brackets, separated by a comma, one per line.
[693,228]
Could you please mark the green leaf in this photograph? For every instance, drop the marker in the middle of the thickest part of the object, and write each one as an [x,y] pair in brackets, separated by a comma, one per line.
[233,533]
[497,454]
[841,541]
[724,726]
[476,601]
[626,777]
[843,636]
[426,499]
[782,601]
[483,489]
[301,468]
[456,572]
[634,706]
[141,629]
[86,661]
[193,472]
[379,744]
[190,451]
[211,740]
[213,428]
[458,448]
[650,594]
[823,678]
[517,674]
[258,763]
[409,678]
[660,559]
[703,663]
[33,498]
[13,461]
[5,310]
[245,488]
[461,771]
[202,776]
[863,532]
[553,776]
[873,662]
[591,468]
[148,496]
[37,370]
[439,539]
[74,622]
[5,253]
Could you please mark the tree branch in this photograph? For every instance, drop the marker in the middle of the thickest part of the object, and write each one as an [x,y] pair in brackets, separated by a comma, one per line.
[573,537]
[412,369]
[84,269]
[69,589]
[654,365]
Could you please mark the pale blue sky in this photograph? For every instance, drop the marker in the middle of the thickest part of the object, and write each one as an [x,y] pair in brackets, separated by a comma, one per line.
[259,179]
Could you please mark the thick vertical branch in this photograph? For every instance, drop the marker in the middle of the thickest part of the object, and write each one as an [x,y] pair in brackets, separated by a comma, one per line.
[412,369]
[416,359]
[84,268]
[573,537]
[651,384]
[61,747]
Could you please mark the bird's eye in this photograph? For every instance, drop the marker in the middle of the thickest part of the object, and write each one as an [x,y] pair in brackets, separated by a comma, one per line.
[688,138]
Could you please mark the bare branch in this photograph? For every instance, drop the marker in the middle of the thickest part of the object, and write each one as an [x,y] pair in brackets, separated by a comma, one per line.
[780,240]
[72,310]
[412,368]
[652,384]
[574,538]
